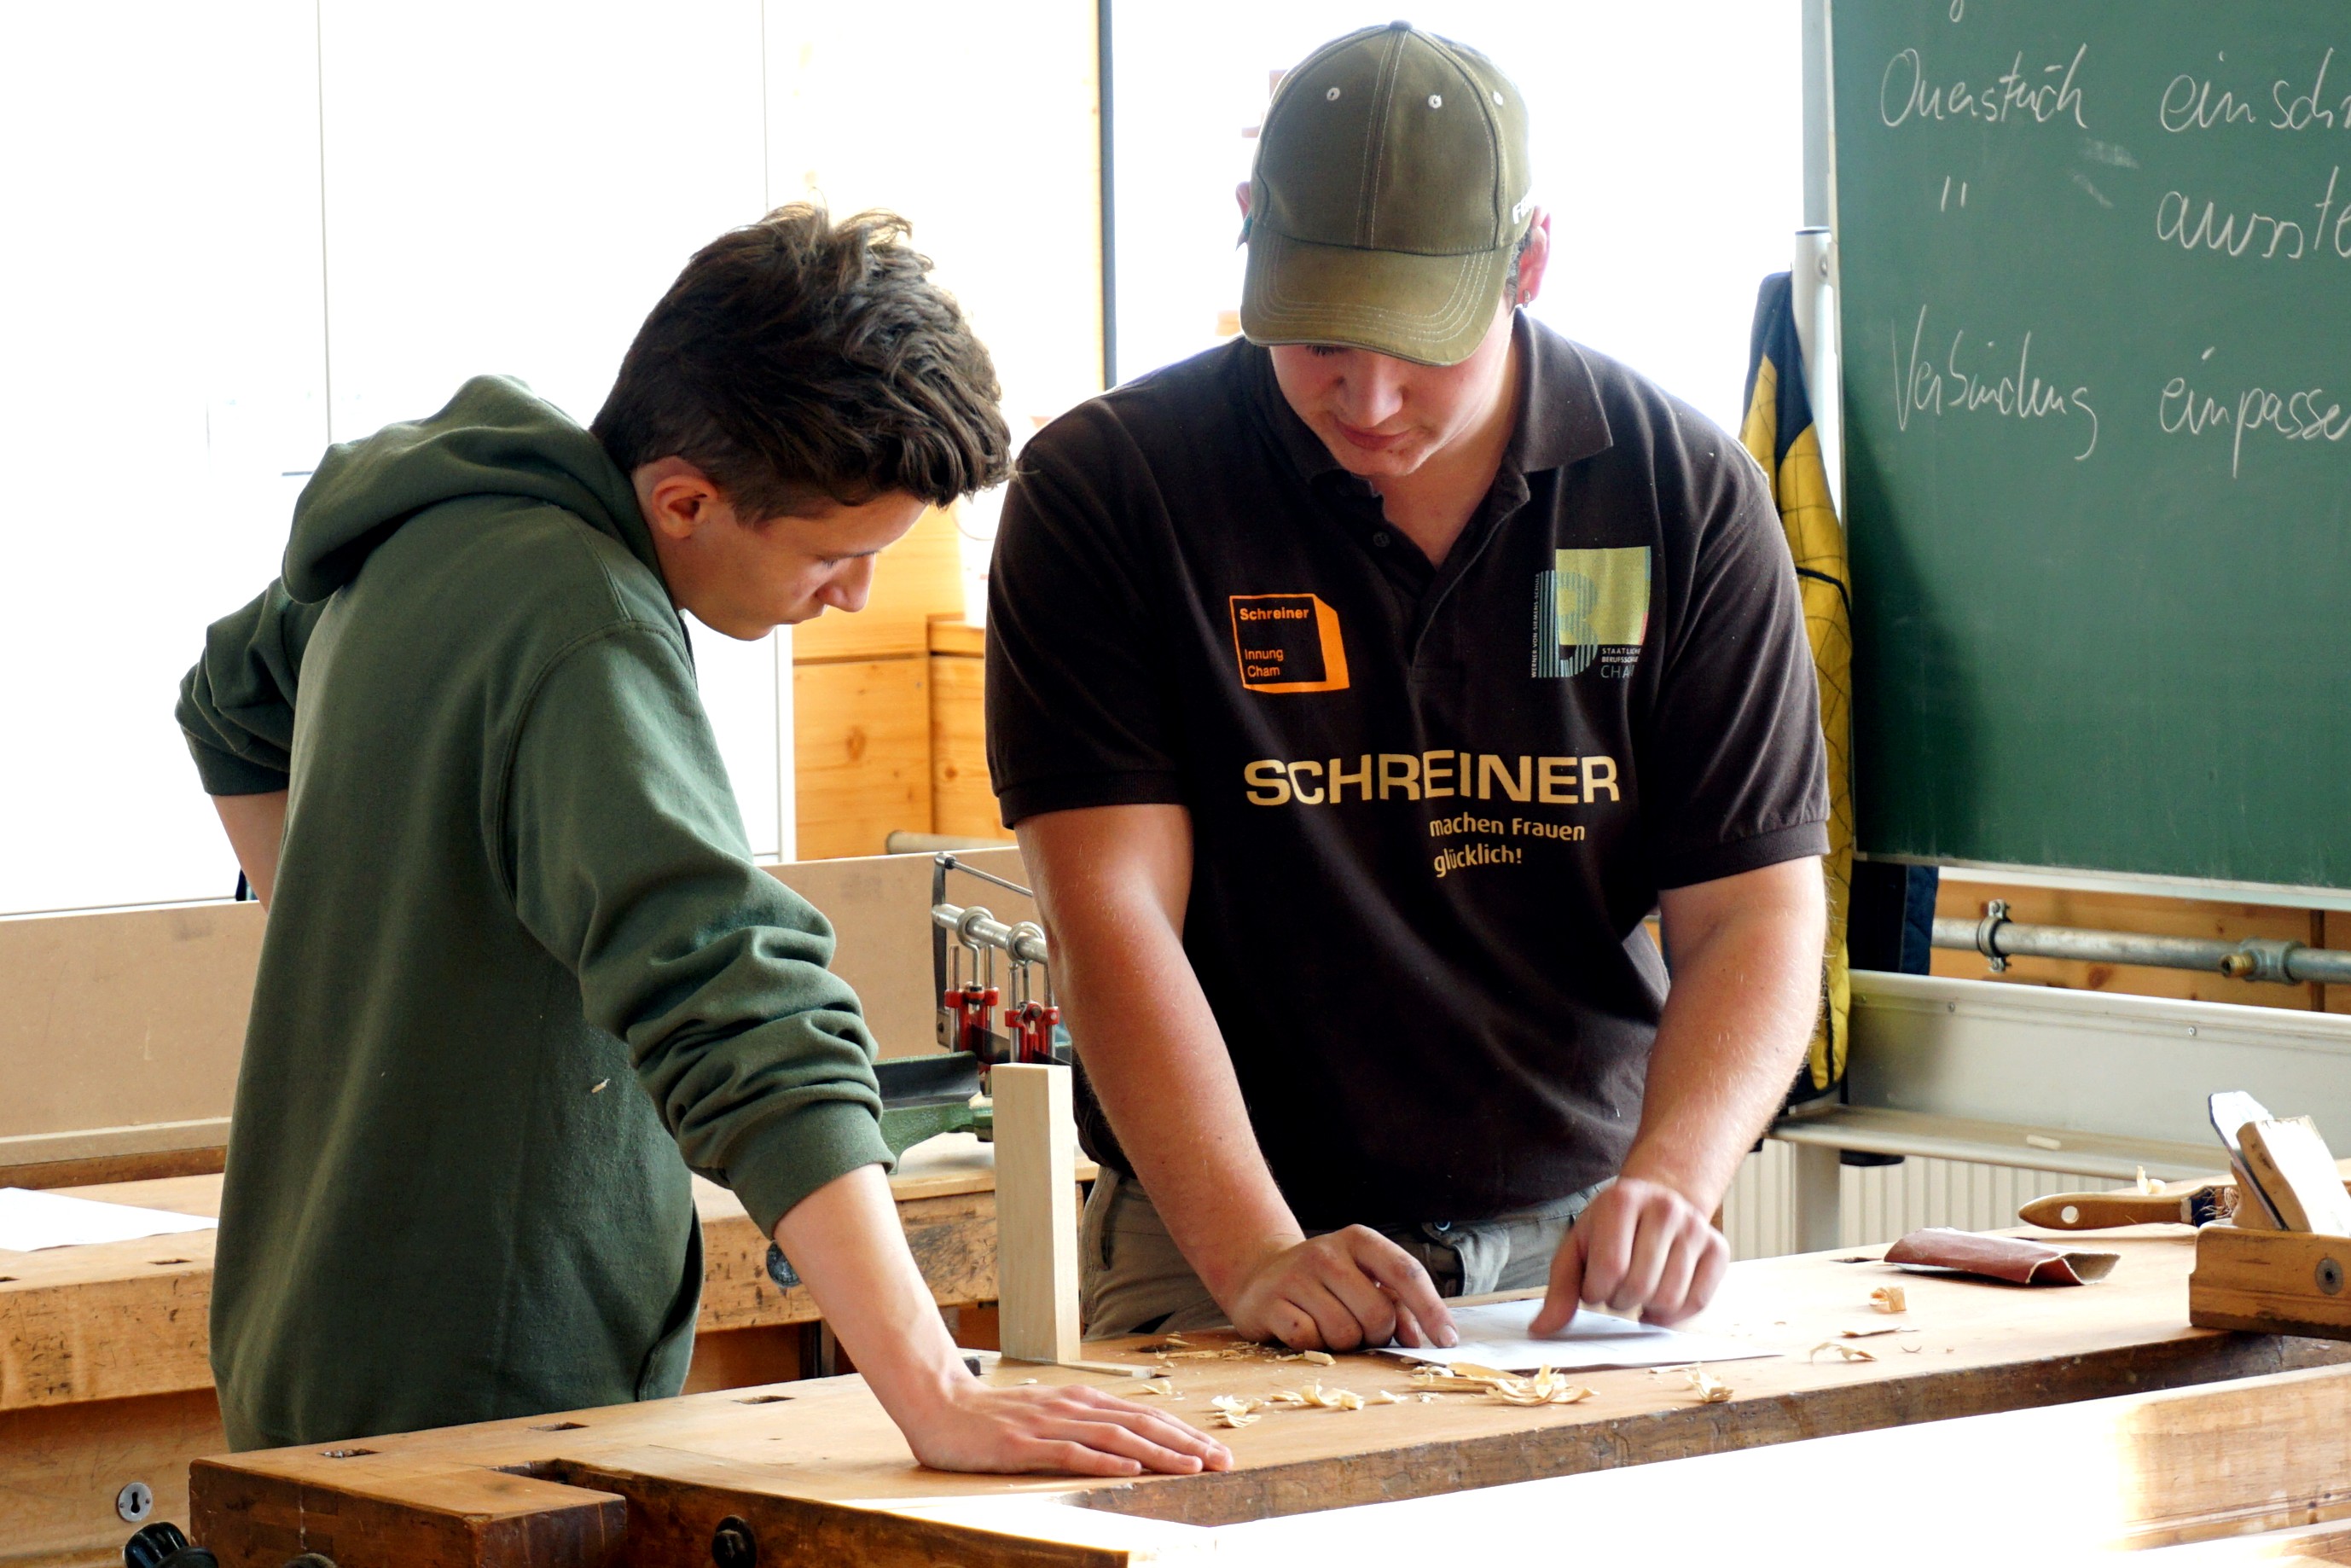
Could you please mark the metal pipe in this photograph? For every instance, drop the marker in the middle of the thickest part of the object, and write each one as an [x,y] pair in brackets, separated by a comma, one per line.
[1999,939]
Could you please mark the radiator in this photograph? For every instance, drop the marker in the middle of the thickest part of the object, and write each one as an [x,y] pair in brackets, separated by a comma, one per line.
[1883,1202]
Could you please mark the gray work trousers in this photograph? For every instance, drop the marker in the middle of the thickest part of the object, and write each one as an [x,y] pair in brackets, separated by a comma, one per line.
[1132,1280]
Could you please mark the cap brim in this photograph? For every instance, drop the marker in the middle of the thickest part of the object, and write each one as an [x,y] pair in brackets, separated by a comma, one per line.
[1431,309]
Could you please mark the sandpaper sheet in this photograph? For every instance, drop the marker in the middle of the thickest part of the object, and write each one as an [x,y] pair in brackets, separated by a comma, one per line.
[2009,1258]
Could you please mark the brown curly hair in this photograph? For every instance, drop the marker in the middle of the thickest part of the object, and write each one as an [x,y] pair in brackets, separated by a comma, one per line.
[795,359]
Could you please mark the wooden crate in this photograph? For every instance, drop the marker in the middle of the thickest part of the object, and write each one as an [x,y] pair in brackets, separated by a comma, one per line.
[963,801]
[861,739]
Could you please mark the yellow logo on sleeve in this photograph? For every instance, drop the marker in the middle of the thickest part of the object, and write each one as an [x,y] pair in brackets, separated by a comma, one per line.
[1287,642]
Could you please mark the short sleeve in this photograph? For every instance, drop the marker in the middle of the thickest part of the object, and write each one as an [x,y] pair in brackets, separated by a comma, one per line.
[1078,709]
[237,706]
[628,864]
[1735,777]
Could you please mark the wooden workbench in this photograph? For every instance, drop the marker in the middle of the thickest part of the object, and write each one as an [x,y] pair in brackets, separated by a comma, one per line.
[818,1472]
[106,1374]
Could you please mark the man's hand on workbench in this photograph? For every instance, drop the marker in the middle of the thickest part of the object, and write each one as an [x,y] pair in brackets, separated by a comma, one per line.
[1070,1428]
[1641,1246]
[1339,1291]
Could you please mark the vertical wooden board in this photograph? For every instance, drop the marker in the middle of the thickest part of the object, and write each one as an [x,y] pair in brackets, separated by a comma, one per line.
[1958,900]
[963,801]
[148,1005]
[1036,1212]
[861,734]
[917,577]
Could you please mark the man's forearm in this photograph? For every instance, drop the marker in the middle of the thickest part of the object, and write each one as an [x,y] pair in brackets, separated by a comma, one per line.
[1745,994]
[255,824]
[1152,1049]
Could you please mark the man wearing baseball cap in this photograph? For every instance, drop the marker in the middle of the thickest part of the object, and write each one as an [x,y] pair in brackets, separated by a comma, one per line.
[1356,690]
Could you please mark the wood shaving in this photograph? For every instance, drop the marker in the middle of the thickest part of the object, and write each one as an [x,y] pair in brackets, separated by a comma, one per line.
[1912,1349]
[1158,1386]
[1237,1411]
[1889,1299]
[1319,1358]
[1384,1397]
[1432,1378]
[1872,1333]
[1471,1369]
[1710,1390]
[1314,1397]
[1848,1352]
[2148,1186]
[1545,1388]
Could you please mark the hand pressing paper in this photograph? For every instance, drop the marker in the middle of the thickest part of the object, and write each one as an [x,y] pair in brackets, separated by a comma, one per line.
[2009,1258]
[1496,1337]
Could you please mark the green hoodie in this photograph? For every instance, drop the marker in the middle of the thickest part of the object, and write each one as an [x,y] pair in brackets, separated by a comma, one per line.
[513,880]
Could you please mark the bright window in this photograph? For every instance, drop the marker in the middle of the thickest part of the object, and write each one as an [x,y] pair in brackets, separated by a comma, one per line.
[239,232]
[1667,143]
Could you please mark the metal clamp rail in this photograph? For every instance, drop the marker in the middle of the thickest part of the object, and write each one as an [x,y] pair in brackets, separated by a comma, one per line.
[979,927]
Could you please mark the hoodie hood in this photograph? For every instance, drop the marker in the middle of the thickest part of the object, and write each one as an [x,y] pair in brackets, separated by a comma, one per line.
[495,438]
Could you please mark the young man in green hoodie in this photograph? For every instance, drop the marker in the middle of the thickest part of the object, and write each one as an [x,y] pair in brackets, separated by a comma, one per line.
[459,751]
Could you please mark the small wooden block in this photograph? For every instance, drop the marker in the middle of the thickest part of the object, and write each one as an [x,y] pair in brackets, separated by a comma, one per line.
[1036,1212]
[2271,1281]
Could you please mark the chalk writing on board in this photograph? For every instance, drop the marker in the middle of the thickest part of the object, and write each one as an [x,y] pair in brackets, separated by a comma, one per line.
[2191,102]
[1906,92]
[2236,234]
[2310,415]
[1959,387]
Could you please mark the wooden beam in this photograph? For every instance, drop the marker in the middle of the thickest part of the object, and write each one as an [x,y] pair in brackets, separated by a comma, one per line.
[1037,1212]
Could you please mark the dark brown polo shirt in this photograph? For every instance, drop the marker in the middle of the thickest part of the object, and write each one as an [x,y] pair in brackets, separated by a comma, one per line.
[1431,805]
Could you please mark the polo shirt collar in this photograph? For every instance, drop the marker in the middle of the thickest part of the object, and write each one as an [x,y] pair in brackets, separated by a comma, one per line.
[1560,417]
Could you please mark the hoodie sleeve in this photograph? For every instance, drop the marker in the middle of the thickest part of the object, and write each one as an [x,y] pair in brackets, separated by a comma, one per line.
[236,707]
[628,861]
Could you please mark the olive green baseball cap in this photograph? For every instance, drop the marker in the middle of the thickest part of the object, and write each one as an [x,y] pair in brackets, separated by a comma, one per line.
[1390,190]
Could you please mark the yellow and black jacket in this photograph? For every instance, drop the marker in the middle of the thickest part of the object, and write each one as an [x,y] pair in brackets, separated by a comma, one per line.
[1779,432]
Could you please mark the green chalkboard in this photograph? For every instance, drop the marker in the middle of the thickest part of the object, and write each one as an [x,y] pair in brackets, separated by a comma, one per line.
[2096,297]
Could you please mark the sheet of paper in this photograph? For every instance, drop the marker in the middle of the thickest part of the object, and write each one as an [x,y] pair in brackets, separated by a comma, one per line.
[1497,1336]
[31,1221]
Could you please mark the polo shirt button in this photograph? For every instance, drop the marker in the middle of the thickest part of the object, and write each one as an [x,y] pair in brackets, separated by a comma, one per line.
[1381,539]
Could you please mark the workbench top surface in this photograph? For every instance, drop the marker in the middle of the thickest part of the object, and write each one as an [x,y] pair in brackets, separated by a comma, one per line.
[1970,1346]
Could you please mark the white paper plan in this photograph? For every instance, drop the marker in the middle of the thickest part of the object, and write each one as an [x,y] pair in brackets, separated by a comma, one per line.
[1497,1336]
[31,1221]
